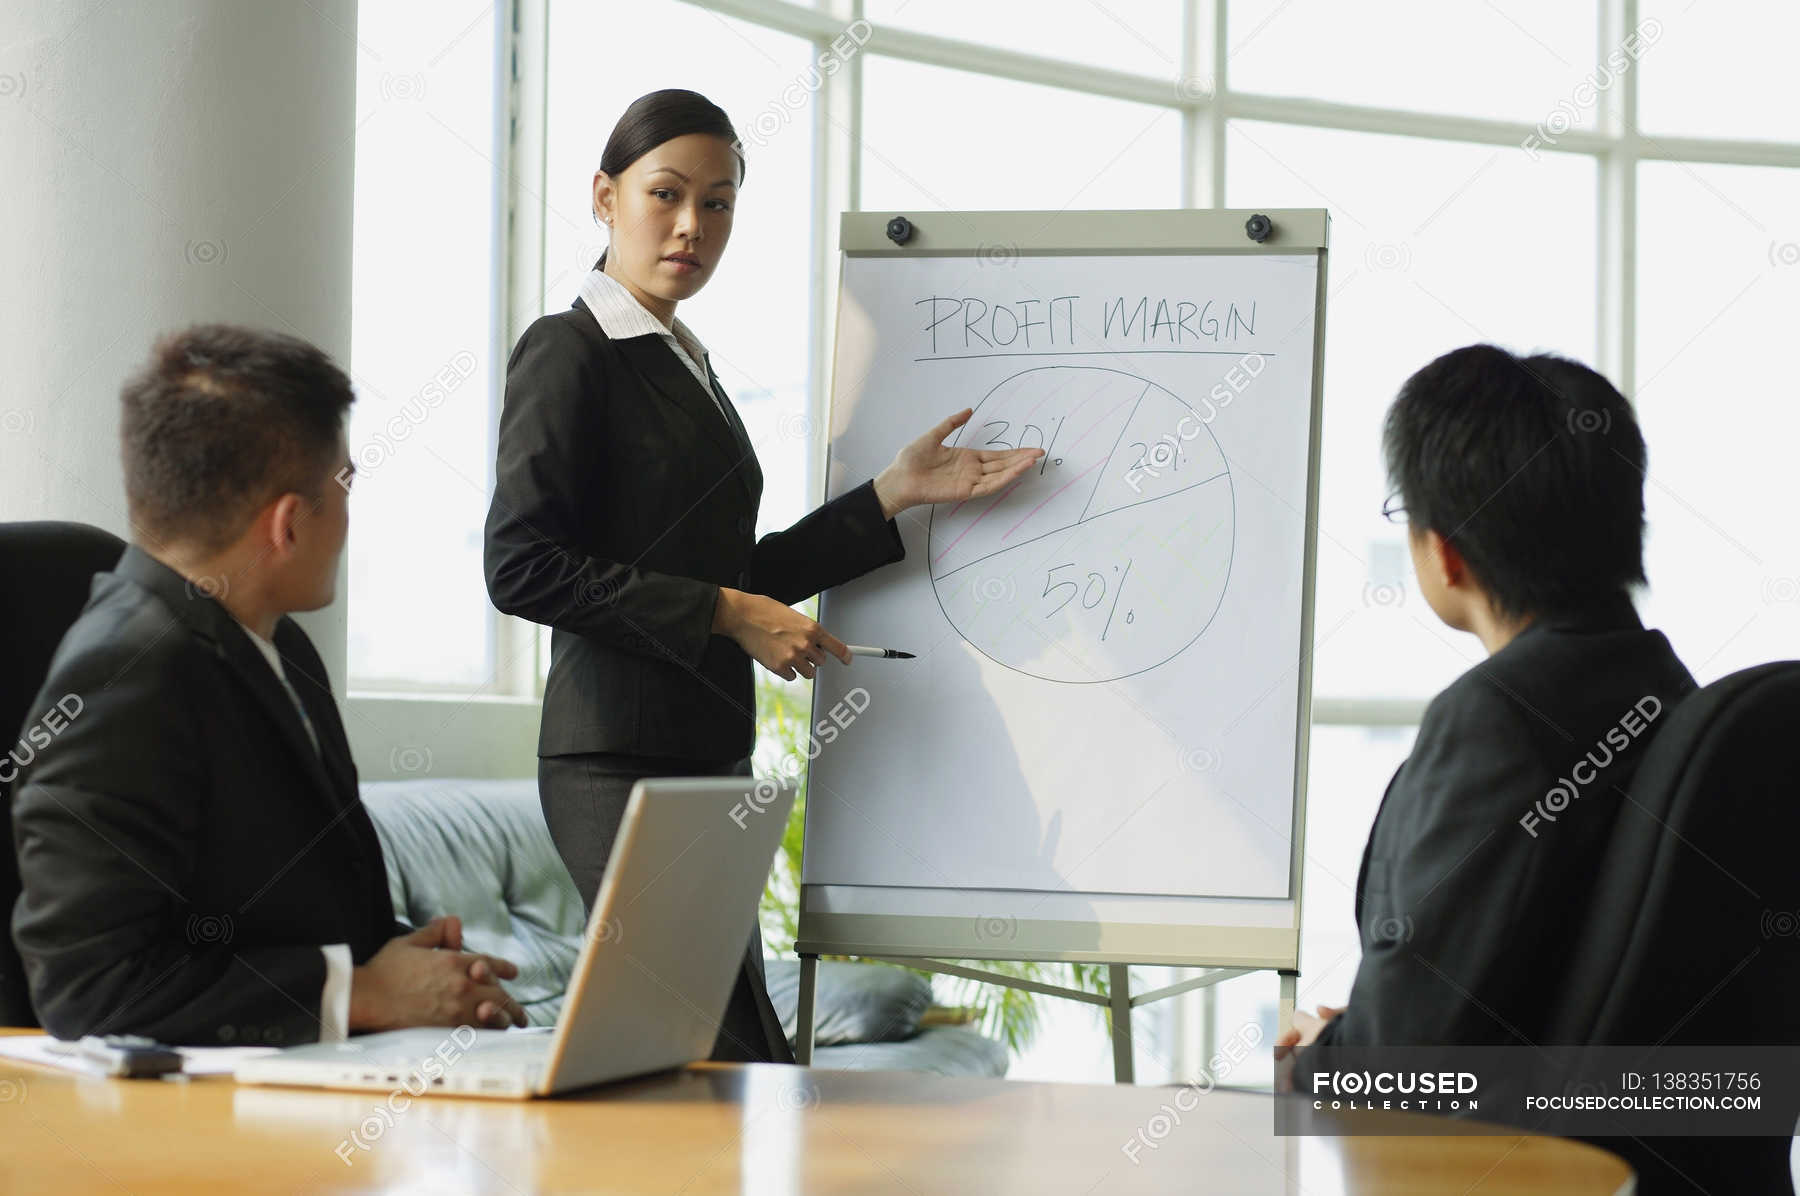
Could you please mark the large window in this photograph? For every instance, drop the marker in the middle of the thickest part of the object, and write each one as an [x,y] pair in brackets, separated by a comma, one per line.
[754,316]
[1507,61]
[940,139]
[1434,244]
[1141,36]
[1722,69]
[422,348]
[1616,180]
[1719,293]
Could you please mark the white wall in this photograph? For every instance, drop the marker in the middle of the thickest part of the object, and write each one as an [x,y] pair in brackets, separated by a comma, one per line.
[403,737]
[167,162]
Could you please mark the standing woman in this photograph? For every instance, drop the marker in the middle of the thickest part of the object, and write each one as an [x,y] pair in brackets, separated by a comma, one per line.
[624,516]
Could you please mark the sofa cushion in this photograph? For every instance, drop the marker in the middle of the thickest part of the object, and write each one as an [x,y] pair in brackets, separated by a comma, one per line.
[946,1050]
[480,850]
[856,1002]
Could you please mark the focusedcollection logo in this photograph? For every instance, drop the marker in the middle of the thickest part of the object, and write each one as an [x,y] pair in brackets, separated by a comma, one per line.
[990,928]
[1781,923]
[1384,594]
[1411,1091]
[1590,419]
[410,759]
[1169,1116]
[386,1115]
[209,928]
[1587,770]
[758,798]
[38,736]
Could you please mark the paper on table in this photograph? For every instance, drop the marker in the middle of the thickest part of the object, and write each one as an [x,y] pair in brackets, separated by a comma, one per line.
[196,1061]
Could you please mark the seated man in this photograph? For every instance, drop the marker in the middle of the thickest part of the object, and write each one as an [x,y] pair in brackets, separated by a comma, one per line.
[1522,482]
[196,863]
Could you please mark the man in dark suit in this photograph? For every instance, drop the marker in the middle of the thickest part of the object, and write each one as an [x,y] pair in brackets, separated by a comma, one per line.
[196,863]
[1521,480]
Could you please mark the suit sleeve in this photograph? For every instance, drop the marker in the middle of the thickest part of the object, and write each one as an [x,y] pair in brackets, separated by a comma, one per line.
[1438,907]
[107,825]
[534,569]
[839,541]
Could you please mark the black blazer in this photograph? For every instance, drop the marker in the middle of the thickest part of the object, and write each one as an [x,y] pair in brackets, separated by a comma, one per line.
[183,850]
[622,502]
[1467,918]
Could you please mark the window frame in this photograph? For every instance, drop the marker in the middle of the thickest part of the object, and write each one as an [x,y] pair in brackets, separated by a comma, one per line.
[518,241]
[1203,97]
[1615,143]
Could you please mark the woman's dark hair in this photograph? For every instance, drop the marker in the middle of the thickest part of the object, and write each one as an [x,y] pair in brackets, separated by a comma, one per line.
[663,116]
[1533,467]
[221,420]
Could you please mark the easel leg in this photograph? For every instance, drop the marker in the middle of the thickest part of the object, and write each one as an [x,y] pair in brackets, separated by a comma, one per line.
[1284,1009]
[1120,990]
[803,1023]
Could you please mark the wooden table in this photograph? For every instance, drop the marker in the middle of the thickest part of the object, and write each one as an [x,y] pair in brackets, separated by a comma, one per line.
[731,1128]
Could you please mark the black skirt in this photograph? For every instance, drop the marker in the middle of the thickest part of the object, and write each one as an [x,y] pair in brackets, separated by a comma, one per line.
[584,798]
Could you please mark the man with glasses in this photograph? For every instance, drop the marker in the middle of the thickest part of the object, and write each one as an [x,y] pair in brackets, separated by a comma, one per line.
[195,861]
[1520,480]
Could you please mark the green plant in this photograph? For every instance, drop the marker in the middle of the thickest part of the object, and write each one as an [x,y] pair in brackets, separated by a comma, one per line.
[783,709]
[1009,1014]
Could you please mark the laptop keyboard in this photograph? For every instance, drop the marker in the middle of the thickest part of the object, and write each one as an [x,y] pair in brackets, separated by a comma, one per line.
[512,1050]
[490,1048]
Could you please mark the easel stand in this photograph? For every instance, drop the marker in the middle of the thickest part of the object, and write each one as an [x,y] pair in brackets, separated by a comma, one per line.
[1119,1000]
[853,900]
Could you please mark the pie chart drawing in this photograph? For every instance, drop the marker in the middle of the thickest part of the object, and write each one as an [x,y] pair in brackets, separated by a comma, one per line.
[1111,555]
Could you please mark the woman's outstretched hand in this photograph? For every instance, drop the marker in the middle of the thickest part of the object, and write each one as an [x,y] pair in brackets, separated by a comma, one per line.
[929,471]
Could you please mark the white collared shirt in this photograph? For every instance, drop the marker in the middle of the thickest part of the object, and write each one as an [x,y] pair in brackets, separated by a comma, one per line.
[273,655]
[620,315]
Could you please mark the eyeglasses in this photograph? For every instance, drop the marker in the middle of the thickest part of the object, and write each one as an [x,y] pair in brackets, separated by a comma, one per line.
[1391,510]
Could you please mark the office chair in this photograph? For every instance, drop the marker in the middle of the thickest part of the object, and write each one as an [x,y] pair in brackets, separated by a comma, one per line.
[48,568]
[1694,936]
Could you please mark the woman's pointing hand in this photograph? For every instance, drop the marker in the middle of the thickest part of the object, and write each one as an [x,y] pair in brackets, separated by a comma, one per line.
[929,471]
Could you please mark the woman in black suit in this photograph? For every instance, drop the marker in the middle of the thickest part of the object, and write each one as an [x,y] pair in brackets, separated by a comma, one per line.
[624,516]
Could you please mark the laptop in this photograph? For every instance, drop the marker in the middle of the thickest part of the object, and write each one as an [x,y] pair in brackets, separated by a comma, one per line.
[658,962]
